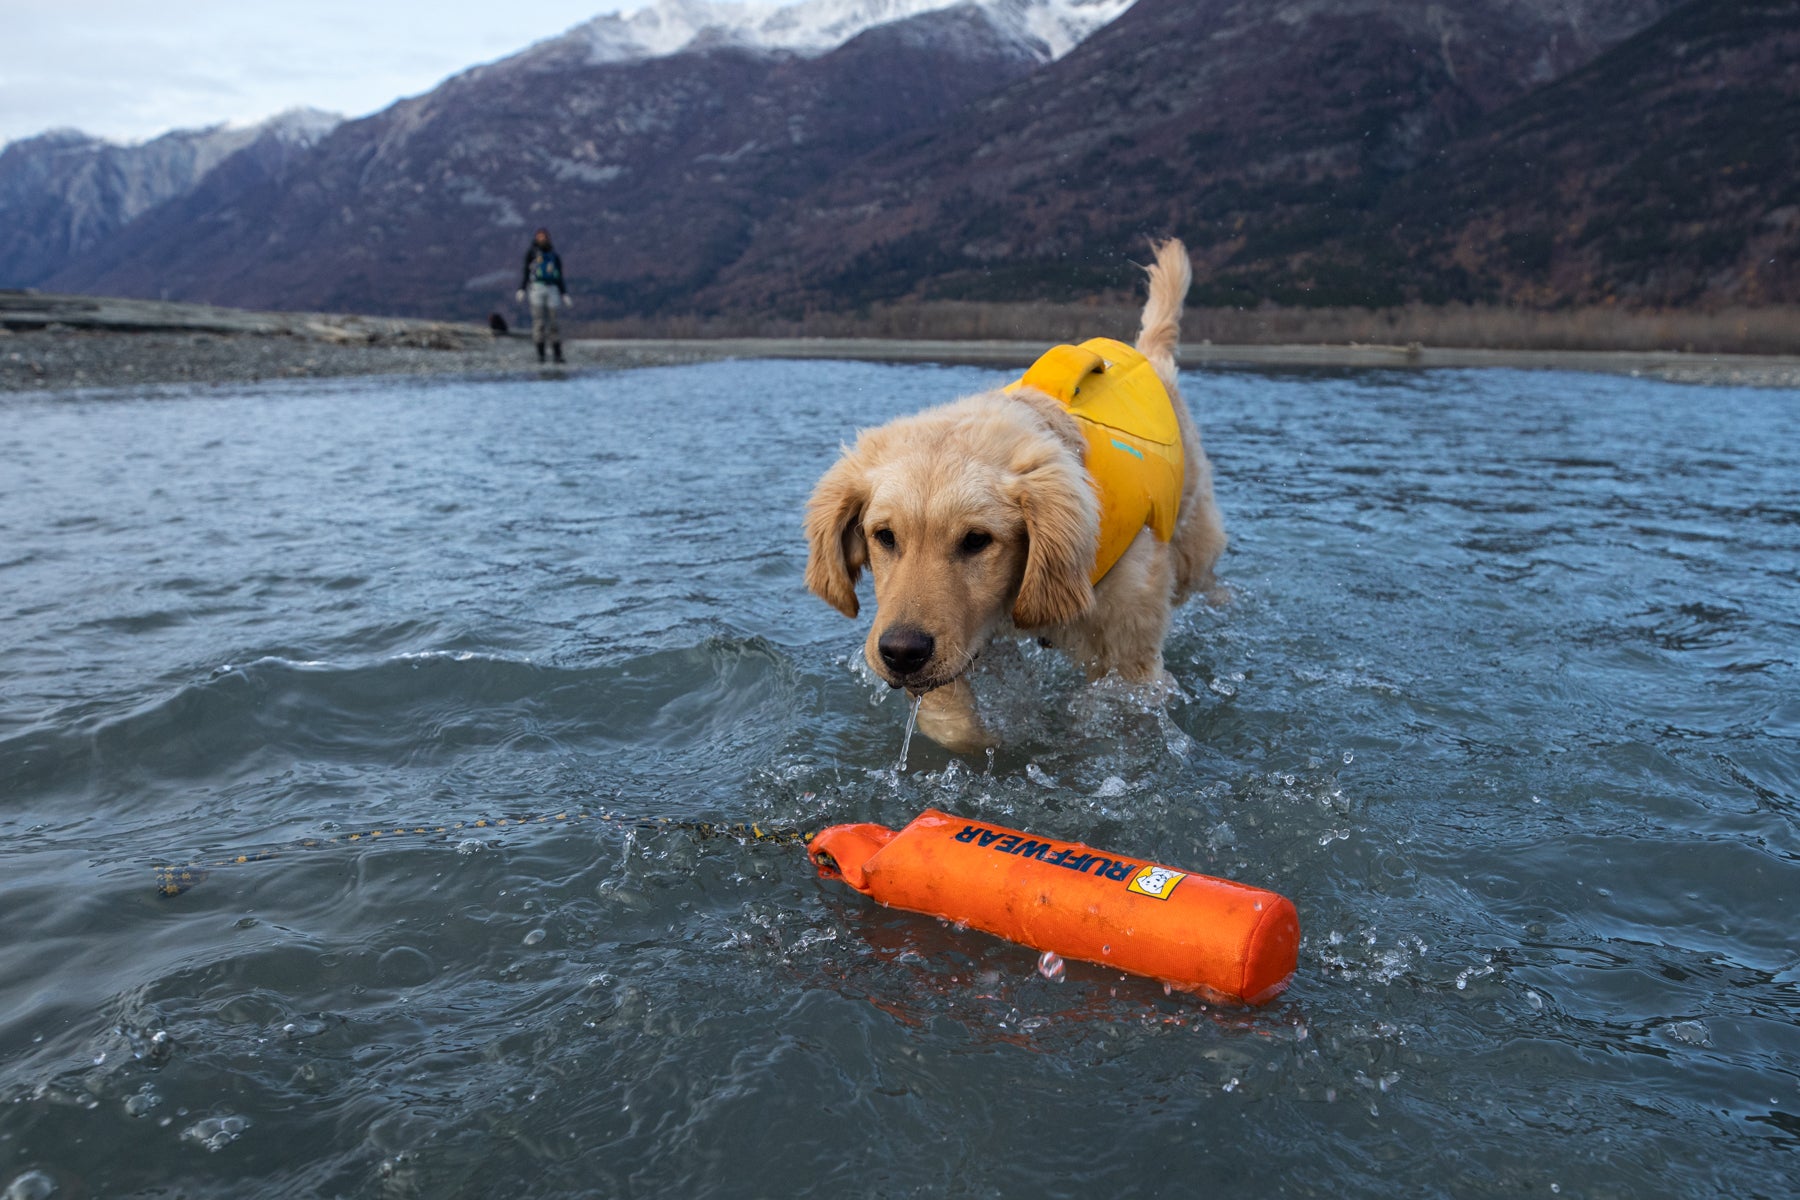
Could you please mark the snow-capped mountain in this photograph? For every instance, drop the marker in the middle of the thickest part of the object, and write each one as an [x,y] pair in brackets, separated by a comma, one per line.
[698,159]
[624,105]
[298,126]
[812,27]
[654,169]
[63,191]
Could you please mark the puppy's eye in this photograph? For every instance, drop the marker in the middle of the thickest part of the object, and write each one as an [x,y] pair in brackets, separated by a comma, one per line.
[884,538]
[976,540]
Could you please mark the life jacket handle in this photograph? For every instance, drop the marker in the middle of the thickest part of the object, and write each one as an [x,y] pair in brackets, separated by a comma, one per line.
[1061,370]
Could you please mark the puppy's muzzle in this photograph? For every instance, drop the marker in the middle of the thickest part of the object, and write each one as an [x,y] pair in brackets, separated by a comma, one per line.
[905,650]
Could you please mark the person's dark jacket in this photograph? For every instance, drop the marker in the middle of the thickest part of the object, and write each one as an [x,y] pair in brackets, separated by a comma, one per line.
[543,265]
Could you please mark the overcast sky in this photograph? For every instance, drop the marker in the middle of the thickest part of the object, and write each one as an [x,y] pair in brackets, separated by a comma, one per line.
[131,69]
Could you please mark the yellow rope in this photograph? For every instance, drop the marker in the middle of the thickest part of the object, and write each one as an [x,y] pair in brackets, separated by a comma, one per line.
[174,880]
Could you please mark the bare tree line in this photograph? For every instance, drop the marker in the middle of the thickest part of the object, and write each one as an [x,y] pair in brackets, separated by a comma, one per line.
[1774,330]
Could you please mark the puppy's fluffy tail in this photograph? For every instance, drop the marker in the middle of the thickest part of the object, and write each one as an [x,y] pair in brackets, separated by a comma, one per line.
[1160,333]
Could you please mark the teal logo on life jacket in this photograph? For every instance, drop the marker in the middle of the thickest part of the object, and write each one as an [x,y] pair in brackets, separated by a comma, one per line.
[1131,450]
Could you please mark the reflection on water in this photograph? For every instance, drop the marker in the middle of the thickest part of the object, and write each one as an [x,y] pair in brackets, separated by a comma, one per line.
[1503,696]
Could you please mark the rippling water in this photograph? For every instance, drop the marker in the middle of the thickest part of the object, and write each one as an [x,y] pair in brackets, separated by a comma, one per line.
[1505,698]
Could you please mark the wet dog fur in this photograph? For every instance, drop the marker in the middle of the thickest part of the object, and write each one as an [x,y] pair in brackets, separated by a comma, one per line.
[978,520]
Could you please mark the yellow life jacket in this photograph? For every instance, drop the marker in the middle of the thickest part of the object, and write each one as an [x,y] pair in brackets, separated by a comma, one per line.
[1133,439]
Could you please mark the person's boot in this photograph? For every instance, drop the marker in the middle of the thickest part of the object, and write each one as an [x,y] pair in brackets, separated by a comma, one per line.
[557,347]
[540,350]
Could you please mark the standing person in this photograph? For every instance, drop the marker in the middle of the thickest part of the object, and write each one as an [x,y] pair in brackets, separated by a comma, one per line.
[543,284]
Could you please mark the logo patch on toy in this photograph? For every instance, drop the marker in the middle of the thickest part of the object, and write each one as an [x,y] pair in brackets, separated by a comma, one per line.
[1155,882]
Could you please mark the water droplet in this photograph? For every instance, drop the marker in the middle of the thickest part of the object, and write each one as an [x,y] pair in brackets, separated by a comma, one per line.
[535,936]
[1051,966]
[1349,757]
[160,1048]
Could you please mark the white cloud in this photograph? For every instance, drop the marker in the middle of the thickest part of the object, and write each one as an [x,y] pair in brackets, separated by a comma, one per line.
[130,70]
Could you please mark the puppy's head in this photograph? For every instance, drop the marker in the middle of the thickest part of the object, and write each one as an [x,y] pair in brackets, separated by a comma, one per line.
[970,517]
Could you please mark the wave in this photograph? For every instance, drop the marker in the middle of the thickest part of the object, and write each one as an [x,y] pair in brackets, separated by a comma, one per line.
[414,710]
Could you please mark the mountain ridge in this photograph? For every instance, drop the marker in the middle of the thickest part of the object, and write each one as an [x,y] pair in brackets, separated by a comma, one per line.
[62,191]
[668,161]
[1363,153]
[810,27]
[1315,103]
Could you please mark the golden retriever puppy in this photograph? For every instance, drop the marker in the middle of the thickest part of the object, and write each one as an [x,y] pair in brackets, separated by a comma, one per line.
[1075,505]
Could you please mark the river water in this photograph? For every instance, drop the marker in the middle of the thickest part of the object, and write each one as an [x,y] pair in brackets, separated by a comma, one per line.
[1504,697]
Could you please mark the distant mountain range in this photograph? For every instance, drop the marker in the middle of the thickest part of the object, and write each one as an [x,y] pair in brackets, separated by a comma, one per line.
[63,192]
[700,158]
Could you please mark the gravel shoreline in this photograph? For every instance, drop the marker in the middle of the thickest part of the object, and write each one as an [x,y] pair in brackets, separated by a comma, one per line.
[64,359]
[77,360]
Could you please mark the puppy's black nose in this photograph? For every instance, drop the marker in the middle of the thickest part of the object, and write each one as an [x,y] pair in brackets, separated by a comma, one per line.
[905,649]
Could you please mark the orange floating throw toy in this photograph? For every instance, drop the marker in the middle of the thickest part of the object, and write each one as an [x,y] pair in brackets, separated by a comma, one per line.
[1192,931]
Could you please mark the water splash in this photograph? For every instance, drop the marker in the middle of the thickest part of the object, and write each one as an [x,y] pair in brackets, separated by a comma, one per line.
[912,723]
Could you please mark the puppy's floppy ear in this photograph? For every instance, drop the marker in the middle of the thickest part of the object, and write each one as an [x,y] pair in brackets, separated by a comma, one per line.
[1062,523]
[836,550]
